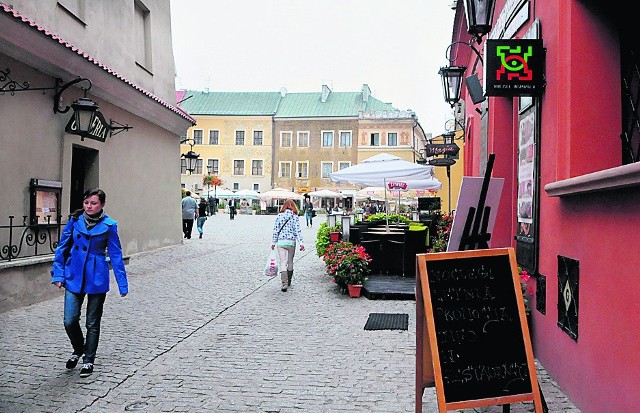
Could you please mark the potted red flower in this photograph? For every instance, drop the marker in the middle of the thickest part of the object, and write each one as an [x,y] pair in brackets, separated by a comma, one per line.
[348,264]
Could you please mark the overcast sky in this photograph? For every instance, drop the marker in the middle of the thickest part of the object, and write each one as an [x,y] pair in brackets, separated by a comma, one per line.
[394,46]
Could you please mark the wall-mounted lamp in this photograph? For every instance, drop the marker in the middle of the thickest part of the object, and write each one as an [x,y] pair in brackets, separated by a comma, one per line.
[452,77]
[452,83]
[191,157]
[479,14]
[87,121]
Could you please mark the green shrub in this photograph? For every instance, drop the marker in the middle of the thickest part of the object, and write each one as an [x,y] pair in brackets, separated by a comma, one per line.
[392,218]
[322,237]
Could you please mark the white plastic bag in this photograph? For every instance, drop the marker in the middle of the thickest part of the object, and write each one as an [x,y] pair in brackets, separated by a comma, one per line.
[271,269]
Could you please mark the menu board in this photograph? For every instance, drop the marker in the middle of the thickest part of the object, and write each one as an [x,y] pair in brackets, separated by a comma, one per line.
[476,327]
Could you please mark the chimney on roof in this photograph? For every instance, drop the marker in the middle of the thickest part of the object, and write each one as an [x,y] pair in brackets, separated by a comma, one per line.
[283,91]
[325,93]
[366,92]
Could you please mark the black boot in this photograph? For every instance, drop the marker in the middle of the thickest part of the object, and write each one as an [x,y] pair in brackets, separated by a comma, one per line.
[289,277]
[283,279]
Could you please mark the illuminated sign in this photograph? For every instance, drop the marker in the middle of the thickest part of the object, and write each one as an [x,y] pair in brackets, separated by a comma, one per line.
[514,67]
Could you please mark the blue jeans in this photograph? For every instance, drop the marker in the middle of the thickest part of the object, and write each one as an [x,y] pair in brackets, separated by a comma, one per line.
[72,307]
[309,216]
[200,223]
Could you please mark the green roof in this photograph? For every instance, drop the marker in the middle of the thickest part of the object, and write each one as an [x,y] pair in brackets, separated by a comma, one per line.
[292,105]
[338,104]
[230,103]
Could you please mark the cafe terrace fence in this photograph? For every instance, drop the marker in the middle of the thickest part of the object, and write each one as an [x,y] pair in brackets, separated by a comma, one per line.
[20,240]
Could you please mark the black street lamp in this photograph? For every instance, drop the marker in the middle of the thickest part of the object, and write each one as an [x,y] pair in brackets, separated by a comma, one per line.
[452,83]
[191,157]
[479,14]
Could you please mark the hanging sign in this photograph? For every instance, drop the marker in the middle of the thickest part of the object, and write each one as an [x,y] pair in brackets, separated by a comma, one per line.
[435,149]
[514,67]
[99,129]
[442,161]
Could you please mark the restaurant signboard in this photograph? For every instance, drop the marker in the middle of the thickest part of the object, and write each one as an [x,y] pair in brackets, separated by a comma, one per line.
[514,67]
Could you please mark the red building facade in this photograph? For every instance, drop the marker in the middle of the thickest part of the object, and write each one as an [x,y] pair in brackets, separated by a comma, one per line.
[571,200]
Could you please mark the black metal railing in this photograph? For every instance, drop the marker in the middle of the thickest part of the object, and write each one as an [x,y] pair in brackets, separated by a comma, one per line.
[24,240]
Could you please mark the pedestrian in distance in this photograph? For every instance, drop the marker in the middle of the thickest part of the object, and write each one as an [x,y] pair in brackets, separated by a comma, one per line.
[232,208]
[202,216]
[212,205]
[307,207]
[286,230]
[80,266]
[189,213]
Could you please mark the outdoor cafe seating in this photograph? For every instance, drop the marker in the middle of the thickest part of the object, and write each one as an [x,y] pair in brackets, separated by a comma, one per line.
[392,248]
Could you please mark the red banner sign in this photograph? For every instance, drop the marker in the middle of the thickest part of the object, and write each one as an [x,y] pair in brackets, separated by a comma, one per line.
[397,185]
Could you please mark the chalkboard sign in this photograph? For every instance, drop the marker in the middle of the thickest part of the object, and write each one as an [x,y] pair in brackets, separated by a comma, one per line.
[476,326]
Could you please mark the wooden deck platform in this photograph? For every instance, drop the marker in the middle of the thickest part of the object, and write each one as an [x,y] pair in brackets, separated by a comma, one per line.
[389,287]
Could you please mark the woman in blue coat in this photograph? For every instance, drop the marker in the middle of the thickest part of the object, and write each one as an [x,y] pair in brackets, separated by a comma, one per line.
[80,266]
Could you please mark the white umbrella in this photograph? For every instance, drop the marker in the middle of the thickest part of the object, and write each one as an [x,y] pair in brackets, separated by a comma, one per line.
[325,193]
[221,193]
[383,168]
[279,193]
[248,193]
[378,170]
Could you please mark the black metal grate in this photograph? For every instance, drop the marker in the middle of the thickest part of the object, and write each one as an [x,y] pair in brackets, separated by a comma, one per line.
[630,73]
[568,295]
[383,321]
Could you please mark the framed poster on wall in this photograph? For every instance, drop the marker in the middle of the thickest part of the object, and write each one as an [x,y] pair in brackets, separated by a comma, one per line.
[45,201]
[528,190]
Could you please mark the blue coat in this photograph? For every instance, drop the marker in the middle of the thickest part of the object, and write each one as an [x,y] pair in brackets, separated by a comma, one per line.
[80,261]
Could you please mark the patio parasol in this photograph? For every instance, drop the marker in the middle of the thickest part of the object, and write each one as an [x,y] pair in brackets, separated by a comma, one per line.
[383,168]
[248,194]
[280,193]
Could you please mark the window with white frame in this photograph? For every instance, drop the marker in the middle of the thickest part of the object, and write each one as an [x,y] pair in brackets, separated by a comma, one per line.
[285,139]
[256,167]
[327,139]
[256,187]
[284,170]
[183,166]
[303,139]
[345,138]
[374,139]
[343,165]
[392,139]
[198,169]
[238,167]
[240,137]
[213,166]
[326,168]
[197,136]
[236,186]
[214,137]
[302,170]
[257,138]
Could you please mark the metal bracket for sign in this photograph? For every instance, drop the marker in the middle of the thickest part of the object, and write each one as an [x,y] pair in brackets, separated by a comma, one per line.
[119,128]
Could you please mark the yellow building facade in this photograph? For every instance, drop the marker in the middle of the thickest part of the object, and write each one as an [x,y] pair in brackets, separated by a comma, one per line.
[237,149]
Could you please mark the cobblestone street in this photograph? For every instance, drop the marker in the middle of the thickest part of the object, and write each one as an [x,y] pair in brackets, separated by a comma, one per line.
[203,330]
